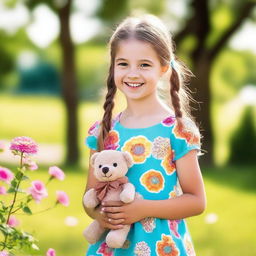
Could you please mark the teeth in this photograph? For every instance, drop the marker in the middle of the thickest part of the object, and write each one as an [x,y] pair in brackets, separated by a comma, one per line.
[133,85]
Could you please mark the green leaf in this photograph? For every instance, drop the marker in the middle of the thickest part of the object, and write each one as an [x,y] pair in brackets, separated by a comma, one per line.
[18,175]
[27,210]
[11,190]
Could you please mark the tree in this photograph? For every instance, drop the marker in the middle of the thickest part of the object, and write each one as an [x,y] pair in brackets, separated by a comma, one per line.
[205,52]
[68,74]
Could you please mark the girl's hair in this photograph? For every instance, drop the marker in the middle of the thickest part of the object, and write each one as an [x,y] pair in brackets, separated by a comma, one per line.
[150,29]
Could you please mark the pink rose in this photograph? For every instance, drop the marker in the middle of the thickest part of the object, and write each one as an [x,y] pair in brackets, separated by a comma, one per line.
[2,190]
[56,172]
[13,222]
[62,198]
[6,175]
[50,252]
[23,145]
[38,190]
[31,165]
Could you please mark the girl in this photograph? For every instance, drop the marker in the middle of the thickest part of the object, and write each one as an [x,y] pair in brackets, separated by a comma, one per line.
[163,141]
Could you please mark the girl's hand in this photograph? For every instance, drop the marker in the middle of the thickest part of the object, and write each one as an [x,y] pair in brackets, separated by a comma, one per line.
[102,218]
[126,214]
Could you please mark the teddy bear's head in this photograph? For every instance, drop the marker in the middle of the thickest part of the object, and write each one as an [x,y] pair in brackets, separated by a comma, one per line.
[110,165]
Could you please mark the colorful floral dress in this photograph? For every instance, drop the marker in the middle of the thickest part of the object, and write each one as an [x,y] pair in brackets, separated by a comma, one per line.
[154,150]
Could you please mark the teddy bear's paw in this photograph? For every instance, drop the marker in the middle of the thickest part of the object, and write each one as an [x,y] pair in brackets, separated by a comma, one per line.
[114,241]
[126,197]
[89,200]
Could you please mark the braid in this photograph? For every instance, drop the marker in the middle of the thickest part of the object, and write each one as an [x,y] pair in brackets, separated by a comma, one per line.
[174,90]
[108,107]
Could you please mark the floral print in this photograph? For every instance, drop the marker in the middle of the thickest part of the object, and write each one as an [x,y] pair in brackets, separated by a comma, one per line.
[189,246]
[167,247]
[174,225]
[139,147]
[188,131]
[142,249]
[155,150]
[112,140]
[160,147]
[168,163]
[148,224]
[153,181]
[104,250]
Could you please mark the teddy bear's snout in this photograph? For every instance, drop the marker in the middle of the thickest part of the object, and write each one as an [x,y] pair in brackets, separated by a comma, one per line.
[105,170]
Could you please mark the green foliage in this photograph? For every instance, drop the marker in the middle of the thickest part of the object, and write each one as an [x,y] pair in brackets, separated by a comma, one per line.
[243,141]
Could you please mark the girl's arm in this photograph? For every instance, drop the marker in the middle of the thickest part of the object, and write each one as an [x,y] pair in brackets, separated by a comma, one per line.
[96,213]
[192,202]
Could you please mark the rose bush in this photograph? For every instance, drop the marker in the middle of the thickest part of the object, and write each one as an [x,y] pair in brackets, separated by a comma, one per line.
[13,238]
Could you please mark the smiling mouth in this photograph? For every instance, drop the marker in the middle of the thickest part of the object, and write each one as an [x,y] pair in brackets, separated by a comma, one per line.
[134,85]
[105,176]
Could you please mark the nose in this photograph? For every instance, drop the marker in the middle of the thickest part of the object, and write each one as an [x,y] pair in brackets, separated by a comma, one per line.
[133,74]
[105,170]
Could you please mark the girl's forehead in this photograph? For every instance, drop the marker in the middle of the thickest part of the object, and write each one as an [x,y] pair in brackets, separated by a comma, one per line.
[133,48]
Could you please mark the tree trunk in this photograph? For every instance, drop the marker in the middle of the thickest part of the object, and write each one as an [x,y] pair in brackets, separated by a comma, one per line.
[202,112]
[69,85]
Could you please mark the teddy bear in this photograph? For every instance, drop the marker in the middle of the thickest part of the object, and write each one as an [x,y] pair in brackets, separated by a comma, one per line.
[110,168]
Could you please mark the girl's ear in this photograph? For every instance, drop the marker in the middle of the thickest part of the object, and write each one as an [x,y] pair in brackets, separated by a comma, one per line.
[128,159]
[164,69]
[93,157]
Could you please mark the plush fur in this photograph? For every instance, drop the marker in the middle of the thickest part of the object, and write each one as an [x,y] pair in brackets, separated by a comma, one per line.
[109,165]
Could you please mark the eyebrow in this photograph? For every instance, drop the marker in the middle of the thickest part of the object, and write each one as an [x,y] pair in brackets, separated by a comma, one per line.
[142,60]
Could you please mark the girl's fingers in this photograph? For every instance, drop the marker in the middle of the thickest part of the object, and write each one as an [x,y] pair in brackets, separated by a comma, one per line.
[115,222]
[112,203]
[114,216]
[111,209]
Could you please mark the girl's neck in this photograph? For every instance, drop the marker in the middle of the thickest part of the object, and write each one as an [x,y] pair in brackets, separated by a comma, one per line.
[142,108]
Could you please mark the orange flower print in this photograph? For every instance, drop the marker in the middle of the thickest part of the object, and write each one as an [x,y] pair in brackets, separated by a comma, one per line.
[187,130]
[104,250]
[142,249]
[112,140]
[153,181]
[166,247]
[161,147]
[189,246]
[139,147]
[177,191]
[167,163]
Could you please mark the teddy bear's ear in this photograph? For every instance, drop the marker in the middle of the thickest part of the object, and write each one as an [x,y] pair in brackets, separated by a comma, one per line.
[93,157]
[128,159]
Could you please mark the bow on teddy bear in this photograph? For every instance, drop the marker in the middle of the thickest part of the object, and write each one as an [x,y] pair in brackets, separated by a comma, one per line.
[110,168]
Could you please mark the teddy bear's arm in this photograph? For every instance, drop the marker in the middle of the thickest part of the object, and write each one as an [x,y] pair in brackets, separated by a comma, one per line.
[90,200]
[128,193]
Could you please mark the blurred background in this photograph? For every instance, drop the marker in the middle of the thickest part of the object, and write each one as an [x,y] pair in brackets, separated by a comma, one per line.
[53,67]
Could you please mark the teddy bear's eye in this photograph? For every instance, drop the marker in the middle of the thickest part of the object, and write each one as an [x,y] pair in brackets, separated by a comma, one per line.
[115,164]
[100,166]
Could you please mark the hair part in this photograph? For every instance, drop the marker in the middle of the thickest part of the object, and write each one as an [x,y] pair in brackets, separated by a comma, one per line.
[149,29]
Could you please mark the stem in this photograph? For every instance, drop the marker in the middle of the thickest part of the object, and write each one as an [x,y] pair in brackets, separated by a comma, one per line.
[14,200]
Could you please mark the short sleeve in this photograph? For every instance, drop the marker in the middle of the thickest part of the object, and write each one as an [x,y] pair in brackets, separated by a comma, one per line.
[185,137]
[91,140]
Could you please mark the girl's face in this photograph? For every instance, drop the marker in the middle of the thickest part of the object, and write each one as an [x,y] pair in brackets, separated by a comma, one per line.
[137,69]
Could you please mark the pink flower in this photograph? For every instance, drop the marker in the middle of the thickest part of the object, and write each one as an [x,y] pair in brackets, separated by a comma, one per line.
[2,146]
[23,145]
[50,252]
[56,172]
[168,121]
[13,221]
[2,190]
[31,165]
[62,198]
[4,253]
[38,190]
[6,175]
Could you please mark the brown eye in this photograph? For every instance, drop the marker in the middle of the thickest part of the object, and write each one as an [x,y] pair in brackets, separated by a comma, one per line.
[100,166]
[115,164]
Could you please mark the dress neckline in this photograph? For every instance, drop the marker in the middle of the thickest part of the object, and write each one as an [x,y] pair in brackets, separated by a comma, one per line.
[170,116]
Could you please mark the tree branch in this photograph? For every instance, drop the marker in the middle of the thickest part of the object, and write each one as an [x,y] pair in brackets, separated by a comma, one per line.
[244,13]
